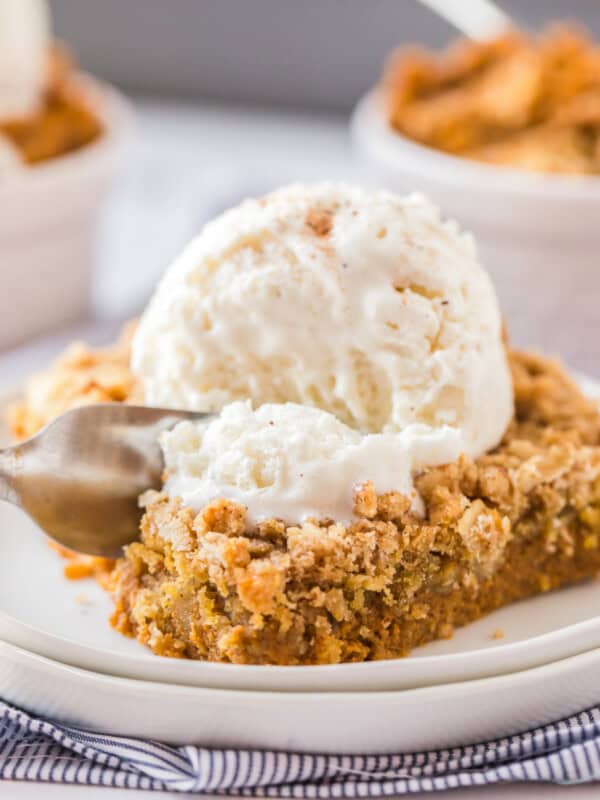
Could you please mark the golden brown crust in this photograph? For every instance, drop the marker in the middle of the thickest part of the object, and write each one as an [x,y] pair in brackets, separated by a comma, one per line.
[65,122]
[531,103]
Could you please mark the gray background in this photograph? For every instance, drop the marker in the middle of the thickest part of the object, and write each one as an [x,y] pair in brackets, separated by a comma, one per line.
[304,53]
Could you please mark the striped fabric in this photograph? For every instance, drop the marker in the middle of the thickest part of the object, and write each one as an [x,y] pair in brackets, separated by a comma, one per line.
[39,750]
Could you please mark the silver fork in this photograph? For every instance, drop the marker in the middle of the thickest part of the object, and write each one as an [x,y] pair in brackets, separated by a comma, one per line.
[80,477]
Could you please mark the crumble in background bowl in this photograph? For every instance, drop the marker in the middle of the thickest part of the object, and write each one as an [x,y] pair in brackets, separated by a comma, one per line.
[537,234]
[48,216]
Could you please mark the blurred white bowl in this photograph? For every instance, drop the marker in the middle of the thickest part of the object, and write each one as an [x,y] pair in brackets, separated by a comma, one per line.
[538,235]
[48,215]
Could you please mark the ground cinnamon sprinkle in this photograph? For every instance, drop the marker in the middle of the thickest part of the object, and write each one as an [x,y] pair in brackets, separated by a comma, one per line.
[320,221]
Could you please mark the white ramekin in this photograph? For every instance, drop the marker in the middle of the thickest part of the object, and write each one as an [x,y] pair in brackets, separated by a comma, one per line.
[48,216]
[538,235]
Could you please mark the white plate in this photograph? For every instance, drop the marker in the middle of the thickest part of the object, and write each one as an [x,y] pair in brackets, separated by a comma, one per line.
[63,620]
[367,722]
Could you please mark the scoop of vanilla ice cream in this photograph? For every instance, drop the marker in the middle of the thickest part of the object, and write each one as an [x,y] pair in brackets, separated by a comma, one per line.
[294,462]
[360,303]
[24,43]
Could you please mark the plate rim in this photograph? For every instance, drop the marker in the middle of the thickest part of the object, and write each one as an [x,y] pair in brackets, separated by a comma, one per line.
[245,695]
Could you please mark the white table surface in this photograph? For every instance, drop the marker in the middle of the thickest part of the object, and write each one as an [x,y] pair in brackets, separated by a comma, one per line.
[185,164]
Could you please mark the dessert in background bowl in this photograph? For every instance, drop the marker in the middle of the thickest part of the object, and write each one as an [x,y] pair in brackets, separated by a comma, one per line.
[60,132]
[505,136]
[384,466]
[517,101]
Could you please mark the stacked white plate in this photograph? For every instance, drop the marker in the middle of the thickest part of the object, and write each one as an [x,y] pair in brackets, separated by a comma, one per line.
[522,666]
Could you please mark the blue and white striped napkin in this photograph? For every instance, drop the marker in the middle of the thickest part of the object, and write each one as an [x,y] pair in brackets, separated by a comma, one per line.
[40,750]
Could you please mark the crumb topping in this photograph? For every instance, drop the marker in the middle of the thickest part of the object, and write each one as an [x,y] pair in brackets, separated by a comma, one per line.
[80,376]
